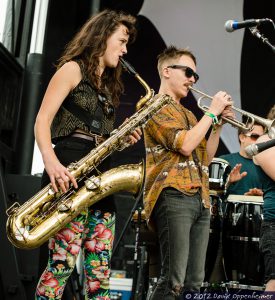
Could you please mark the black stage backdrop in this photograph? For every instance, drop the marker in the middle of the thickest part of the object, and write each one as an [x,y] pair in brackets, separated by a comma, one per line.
[258,61]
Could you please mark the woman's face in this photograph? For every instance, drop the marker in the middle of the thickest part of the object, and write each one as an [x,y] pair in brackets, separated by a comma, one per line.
[116,47]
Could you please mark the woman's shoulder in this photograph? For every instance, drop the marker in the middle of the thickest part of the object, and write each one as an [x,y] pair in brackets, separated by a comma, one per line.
[71,72]
[71,66]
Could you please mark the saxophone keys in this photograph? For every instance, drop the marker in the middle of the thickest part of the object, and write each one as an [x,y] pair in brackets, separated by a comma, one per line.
[93,183]
[46,207]
[51,191]
[65,206]
[73,166]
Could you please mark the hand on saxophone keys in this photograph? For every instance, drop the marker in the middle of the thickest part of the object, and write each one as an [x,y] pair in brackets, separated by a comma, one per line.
[59,175]
[132,138]
[135,136]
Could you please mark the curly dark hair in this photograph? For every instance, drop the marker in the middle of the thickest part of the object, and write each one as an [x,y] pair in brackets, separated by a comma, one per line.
[91,42]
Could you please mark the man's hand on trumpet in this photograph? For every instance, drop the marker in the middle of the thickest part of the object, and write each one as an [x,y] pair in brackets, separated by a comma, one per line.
[228,113]
[221,105]
[220,102]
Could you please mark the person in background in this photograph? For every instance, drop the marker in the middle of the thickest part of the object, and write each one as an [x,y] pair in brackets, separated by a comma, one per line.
[176,192]
[88,81]
[243,167]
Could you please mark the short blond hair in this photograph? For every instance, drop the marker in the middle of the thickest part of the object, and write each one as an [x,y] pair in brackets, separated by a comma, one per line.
[170,54]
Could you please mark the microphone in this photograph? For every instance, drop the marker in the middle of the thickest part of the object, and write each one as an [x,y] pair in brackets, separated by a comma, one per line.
[232,25]
[254,149]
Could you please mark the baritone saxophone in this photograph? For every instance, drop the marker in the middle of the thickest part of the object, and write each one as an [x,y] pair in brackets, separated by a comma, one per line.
[30,225]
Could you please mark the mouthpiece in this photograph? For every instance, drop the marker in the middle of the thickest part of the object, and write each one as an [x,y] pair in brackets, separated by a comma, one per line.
[127,66]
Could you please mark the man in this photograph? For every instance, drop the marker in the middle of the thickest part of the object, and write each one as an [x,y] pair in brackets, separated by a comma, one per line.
[176,197]
[243,166]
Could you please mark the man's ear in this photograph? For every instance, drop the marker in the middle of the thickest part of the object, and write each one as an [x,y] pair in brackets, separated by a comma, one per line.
[166,72]
[241,137]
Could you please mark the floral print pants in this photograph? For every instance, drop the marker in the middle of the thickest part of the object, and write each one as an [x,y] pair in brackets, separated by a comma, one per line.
[93,231]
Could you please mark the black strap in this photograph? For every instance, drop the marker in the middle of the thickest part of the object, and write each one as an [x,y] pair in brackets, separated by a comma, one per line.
[93,122]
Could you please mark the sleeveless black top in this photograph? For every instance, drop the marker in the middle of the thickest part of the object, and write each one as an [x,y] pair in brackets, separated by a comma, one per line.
[65,123]
[84,95]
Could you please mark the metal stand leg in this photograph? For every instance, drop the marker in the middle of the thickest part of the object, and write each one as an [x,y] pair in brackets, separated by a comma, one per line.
[140,254]
[140,265]
[137,202]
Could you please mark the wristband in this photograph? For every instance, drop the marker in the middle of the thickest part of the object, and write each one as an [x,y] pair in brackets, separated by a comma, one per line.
[214,118]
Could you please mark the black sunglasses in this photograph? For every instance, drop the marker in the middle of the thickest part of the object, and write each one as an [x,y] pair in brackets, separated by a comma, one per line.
[253,136]
[188,71]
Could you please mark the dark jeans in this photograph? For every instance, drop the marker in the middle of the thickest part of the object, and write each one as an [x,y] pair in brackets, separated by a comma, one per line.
[183,231]
[267,247]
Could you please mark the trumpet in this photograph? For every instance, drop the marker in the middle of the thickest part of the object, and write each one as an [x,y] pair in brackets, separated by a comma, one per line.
[251,118]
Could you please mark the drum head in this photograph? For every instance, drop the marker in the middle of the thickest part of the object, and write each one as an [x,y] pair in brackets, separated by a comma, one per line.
[245,199]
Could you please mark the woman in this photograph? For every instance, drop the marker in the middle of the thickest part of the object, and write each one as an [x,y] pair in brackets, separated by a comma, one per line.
[76,114]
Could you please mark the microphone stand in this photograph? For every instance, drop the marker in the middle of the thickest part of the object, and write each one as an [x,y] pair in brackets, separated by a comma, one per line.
[138,287]
[139,259]
[256,32]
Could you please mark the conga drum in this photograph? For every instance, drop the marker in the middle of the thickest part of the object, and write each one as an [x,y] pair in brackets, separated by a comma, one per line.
[240,239]
[219,170]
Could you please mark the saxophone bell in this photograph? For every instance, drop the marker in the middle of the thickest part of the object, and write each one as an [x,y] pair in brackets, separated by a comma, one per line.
[28,232]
